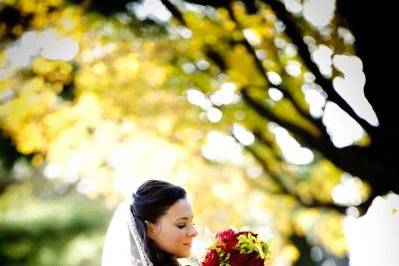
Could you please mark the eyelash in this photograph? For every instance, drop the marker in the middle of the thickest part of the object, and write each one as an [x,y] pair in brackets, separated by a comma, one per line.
[183,226]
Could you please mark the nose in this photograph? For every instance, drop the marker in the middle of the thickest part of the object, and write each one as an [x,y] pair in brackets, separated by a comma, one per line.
[193,232]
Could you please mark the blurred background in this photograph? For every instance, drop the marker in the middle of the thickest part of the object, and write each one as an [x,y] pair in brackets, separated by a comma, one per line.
[275,115]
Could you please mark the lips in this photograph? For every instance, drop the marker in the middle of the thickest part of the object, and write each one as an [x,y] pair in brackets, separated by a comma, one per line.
[187,244]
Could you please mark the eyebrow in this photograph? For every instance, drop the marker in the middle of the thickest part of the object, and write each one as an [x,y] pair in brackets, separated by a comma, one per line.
[184,218]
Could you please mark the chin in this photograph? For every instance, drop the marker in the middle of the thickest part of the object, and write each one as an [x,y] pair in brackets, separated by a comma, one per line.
[184,255]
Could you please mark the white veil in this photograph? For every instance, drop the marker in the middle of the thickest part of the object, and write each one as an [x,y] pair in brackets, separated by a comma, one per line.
[123,245]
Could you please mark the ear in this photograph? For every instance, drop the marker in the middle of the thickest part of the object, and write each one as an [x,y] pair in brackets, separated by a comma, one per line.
[151,229]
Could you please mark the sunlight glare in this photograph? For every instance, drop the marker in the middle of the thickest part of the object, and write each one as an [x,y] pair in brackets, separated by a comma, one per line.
[293,6]
[214,115]
[225,95]
[46,43]
[280,42]
[244,136]
[63,49]
[322,57]
[202,64]
[293,68]
[316,98]
[309,77]
[341,127]
[275,94]
[252,37]
[274,78]
[17,57]
[222,148]
[291,50]
[351,86]
[153,9]
[292,150]
[197,97]
[188,68]
[254,171]
[98,51]
[346,35]
[184,32]
[319,12]
[347,192]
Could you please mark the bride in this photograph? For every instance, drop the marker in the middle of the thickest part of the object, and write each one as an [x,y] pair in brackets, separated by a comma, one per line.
[154,229]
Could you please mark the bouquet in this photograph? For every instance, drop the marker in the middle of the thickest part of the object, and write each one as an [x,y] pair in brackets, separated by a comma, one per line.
[237,249]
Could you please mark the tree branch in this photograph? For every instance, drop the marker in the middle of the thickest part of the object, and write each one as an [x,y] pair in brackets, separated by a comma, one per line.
[293,32]
[306,137]
[213,3]
[263,71]
[303,50]
[259,136]
[175,11]
[290,192]
[312,120]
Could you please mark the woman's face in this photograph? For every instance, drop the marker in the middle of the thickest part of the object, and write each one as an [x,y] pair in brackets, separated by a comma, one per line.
[174,231]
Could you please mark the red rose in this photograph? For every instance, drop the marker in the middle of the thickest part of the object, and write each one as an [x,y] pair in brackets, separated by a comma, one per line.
[211,259]
[226,245]
[226,240]
[255,261]
[238,259]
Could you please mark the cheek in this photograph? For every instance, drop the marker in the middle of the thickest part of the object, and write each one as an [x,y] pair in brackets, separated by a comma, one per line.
[172,239]
[177,235]
[168,236]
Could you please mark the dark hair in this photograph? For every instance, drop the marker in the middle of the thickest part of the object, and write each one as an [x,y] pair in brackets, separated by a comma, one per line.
[152,200]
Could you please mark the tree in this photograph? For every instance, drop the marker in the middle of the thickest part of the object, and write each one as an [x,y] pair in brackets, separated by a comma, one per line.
[373,163]
[241,46]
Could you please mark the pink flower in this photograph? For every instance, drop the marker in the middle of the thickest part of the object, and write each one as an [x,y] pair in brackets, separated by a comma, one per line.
[227,240]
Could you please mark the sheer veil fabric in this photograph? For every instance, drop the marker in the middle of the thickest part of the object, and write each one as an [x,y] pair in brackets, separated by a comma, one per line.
[123,245]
